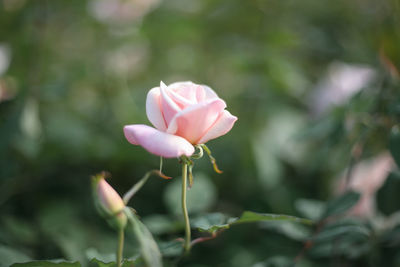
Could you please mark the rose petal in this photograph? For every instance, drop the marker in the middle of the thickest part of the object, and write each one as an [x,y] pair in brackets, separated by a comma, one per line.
[182,101]
[186,90]
[169,107]
[201,94]
[157,142]
[223,125]
[193,122]
[109,199]
[153,109]
[209,93]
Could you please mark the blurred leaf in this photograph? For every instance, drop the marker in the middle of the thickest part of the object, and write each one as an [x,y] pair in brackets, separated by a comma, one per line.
[98,263]
[388,197]
[19,229]
[172,248]
[392,237]
[9,256]
[149,249]
[347,237]
[249,216]
[266,75]
[341,204]
[200,197]
[211,222]
[345,246]
[59,220]
[289,229]
[51,263]
[126,263]
[310,208]
[94,254]
[277,140]
[161,224]
[335,232]
[216,221]
[394,144]
[276,261]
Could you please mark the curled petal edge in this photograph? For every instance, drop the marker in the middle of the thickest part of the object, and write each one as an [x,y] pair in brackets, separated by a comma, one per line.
[222,126]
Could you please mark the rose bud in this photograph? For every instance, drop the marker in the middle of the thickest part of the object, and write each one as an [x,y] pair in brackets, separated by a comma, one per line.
[108,202]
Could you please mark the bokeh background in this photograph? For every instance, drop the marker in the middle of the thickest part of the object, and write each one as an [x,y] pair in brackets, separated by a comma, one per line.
[314,83]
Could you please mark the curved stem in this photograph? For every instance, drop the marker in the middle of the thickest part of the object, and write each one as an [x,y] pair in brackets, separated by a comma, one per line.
[120,247]
[136,187]
[184,208]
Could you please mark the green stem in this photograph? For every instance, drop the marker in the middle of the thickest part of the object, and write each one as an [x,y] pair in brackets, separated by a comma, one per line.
[120,247]
[136,187]
[184,208]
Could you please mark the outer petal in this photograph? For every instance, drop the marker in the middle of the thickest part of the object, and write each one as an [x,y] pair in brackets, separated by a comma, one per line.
[157,142]
[153,109]
[109,199]
[223,125]
[193,122]
[169,107]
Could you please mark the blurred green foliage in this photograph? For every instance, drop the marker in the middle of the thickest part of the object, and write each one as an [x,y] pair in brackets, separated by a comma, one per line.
[314,83]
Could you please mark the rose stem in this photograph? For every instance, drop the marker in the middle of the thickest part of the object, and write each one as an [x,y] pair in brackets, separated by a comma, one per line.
[184,208]
[120,246]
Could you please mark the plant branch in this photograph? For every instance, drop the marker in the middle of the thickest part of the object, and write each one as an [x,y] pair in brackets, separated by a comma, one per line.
[136,187]
[120,247]
[184,208]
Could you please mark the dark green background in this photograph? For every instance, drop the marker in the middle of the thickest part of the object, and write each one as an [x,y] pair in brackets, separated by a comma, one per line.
[76,78]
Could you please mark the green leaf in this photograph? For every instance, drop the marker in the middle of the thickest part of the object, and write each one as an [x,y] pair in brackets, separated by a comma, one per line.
[216,221]
[394,144]
[249,216]
[211,222]
[59,221]
[310,208]
[332,233]
[129,263]
[102,264]
[161,224]
[9,255]
[347,237]
[149,249]
[341,204]
[172,248]
[387,197]
[336,230]
[126,263]
[93,254]
[53,263]
[292,230]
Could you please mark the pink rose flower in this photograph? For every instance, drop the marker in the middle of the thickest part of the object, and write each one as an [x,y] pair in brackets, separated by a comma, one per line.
[184,114]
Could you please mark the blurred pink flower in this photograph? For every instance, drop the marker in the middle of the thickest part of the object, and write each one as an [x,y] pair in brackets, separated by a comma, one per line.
[184,114]
[367,177]
[121,11]
[339,84]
